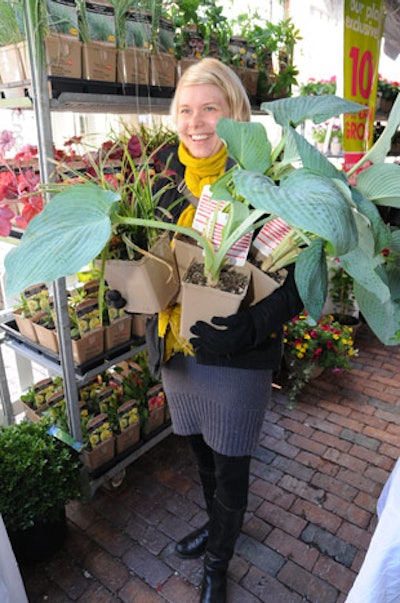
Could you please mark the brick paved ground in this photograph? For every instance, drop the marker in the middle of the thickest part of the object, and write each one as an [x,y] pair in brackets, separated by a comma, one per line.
[315,481]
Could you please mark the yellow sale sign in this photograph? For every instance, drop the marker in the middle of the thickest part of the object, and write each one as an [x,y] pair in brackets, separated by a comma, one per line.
[363,28]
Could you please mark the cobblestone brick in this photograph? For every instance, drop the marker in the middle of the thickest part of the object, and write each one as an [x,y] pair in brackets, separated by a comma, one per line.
[330,545]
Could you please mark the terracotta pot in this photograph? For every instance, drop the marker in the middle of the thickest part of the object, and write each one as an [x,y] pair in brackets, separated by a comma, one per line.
[100,455]
[148,285]
[99,61]
[202,302]
[133,66]
[118,332]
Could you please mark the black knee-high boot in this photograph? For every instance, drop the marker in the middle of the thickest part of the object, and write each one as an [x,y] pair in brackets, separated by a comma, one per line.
[225,526]
[194,544]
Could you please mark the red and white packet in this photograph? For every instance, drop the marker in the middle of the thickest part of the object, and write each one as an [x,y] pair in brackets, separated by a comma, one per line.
[203,220]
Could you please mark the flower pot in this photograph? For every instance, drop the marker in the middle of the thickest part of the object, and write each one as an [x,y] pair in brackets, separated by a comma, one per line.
[25,326]
[185,251]
[162,70]
[148,285]
[63,56]
[89,346]
[30,414]
[11,64]
[202,302]
[40,541]
[45,337]
[261,284]
[128,438]
[133,66]
[335,148]
[99,61]
[155,420]
[118,332]
[139,325]
[100,455]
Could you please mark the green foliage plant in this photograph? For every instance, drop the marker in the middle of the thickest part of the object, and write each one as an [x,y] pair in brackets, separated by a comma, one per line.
[38,474]
[332,216]
[337,213]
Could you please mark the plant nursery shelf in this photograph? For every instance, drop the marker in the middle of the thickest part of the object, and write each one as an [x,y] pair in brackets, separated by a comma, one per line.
[90,96]
[50,360]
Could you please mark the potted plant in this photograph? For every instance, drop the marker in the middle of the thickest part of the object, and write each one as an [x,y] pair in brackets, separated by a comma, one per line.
[39,475]
[274,45]
[311,347]
[132,42]
[271,183]
[335,139]
[319,133]
[331,226]
[341,292]
[318,87]
[387,93]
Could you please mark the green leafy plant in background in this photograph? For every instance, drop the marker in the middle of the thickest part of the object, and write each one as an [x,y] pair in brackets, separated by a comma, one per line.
[12,27]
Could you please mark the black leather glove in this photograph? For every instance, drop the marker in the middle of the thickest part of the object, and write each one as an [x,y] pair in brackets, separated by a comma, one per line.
[233,334]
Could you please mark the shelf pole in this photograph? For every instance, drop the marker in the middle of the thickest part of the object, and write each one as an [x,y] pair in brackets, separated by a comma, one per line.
[36,44]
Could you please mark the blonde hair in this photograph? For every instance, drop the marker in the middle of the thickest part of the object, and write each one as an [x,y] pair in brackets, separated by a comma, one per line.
[212,71]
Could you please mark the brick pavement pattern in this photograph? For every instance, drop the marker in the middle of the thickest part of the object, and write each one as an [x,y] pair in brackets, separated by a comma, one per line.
[315,481]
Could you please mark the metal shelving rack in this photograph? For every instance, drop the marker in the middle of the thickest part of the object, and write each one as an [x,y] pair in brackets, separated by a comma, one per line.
[36,95]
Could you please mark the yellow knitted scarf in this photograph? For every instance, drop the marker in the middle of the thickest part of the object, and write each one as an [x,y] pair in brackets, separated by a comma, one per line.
[201,171]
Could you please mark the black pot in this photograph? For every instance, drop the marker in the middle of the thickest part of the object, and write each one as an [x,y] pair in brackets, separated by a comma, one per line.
[40,541]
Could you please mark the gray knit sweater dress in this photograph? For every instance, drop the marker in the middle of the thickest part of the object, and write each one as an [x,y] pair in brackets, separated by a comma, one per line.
[226,405]
[224,397]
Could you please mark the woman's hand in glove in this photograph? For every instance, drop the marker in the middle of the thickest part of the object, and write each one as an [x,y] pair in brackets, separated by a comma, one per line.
[230,335]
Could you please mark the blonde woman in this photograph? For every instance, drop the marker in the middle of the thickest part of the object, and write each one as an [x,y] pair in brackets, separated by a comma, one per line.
[218,396]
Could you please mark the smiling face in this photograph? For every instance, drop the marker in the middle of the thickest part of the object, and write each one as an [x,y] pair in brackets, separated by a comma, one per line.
[198,111]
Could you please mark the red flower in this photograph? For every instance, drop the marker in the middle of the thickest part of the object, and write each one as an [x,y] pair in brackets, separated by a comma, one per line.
[6,215]
[134,146]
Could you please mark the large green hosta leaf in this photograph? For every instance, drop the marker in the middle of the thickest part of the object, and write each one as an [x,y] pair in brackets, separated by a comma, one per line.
[305,200]
[247,144]
[382,316]
[311,274]
[381,184]
[69,233]
[295,110]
